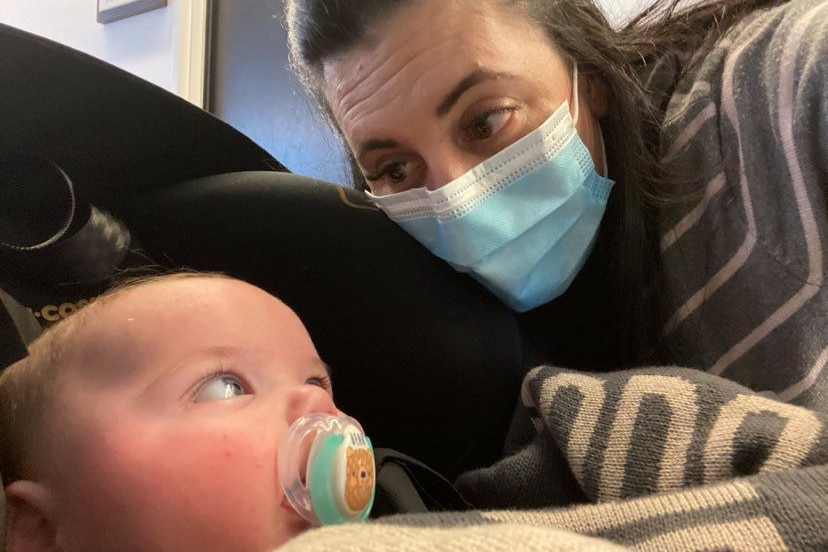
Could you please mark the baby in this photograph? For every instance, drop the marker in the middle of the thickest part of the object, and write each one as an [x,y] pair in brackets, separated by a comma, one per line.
[151,420]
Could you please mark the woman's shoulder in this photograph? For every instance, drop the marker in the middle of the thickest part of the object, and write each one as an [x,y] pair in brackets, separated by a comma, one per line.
[789,36]
[746,256]
[768,70]
[750,55]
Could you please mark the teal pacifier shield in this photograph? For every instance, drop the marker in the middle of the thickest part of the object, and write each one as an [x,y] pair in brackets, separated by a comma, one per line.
[328,497]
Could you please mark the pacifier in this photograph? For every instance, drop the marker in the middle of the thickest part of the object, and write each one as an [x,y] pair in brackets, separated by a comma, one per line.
[327,470]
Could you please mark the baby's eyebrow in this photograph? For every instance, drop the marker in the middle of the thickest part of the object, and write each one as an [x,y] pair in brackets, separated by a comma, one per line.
[326,367]
[322,364]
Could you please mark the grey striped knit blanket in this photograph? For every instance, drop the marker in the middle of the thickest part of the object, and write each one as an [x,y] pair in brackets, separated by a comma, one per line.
[665,459]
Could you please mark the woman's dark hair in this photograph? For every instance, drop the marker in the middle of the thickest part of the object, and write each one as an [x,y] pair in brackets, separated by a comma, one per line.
[321,29]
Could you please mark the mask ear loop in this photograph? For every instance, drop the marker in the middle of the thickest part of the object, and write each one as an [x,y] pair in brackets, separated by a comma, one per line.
[575,98]
[577,102]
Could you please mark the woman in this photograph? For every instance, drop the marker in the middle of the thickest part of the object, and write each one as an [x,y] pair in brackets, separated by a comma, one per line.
[649,194]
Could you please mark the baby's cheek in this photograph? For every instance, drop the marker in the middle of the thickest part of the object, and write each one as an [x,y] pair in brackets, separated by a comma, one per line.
[225,465]
[201,490]
[237,483]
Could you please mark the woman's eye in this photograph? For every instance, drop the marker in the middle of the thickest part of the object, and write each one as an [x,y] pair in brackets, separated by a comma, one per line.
[394,172]
[220,388]
[489,124]
[395,176]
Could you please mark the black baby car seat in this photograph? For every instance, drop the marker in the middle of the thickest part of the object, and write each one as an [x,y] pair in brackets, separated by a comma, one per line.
[100,170]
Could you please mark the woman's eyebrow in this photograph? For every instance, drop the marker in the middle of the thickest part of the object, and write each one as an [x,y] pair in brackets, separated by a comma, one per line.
[473,79]
[370,145]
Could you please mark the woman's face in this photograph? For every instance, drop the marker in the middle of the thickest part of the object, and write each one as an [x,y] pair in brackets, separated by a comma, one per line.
[440,86]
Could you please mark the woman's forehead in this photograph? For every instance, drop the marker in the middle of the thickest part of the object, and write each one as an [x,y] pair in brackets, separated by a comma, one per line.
[427,29]
[423,51]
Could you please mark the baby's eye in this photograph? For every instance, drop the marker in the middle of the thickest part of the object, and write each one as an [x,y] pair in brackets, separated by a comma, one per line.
[220,388]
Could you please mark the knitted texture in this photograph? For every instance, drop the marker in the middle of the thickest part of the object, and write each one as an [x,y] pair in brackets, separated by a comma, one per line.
[671,459]
[745,258]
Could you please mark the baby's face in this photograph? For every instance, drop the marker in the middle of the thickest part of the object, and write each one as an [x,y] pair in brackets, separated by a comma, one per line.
[168,427]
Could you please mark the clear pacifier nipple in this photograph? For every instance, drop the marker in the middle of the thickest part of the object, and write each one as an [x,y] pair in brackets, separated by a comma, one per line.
[326,469]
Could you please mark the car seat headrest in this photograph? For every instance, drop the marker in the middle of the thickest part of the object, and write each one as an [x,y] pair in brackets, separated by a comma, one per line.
[70,152]
[45,236]
[113,133]
[37,202]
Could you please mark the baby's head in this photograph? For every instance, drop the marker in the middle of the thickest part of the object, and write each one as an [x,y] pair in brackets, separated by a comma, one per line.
[151,420]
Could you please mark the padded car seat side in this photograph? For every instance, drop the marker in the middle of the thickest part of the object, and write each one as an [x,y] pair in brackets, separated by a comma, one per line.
[115,134]
[427,359]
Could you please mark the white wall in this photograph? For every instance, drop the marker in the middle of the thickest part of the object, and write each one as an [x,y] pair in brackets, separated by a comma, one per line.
[145,44]
[620,11]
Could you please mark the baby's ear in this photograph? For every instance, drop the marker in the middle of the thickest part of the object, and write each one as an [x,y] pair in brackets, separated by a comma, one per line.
[28,528]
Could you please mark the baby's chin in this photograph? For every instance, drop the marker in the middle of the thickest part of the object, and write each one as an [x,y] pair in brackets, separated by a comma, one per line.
[291,523]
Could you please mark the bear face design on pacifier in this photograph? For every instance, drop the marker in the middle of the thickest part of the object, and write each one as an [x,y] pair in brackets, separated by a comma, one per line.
[326,469]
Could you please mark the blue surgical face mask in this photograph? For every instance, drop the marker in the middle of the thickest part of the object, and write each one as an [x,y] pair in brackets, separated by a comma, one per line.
[523,222]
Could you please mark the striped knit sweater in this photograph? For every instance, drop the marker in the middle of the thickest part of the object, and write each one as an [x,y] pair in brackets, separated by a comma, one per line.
[745,265]
[670,458]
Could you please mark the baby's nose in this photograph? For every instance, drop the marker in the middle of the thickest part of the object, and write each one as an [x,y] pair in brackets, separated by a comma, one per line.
[307,399]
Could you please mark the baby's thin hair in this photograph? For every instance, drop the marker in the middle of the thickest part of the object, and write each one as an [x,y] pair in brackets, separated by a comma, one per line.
[28,387]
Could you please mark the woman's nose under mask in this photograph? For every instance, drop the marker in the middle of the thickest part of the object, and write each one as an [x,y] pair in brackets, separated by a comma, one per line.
[523,222]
